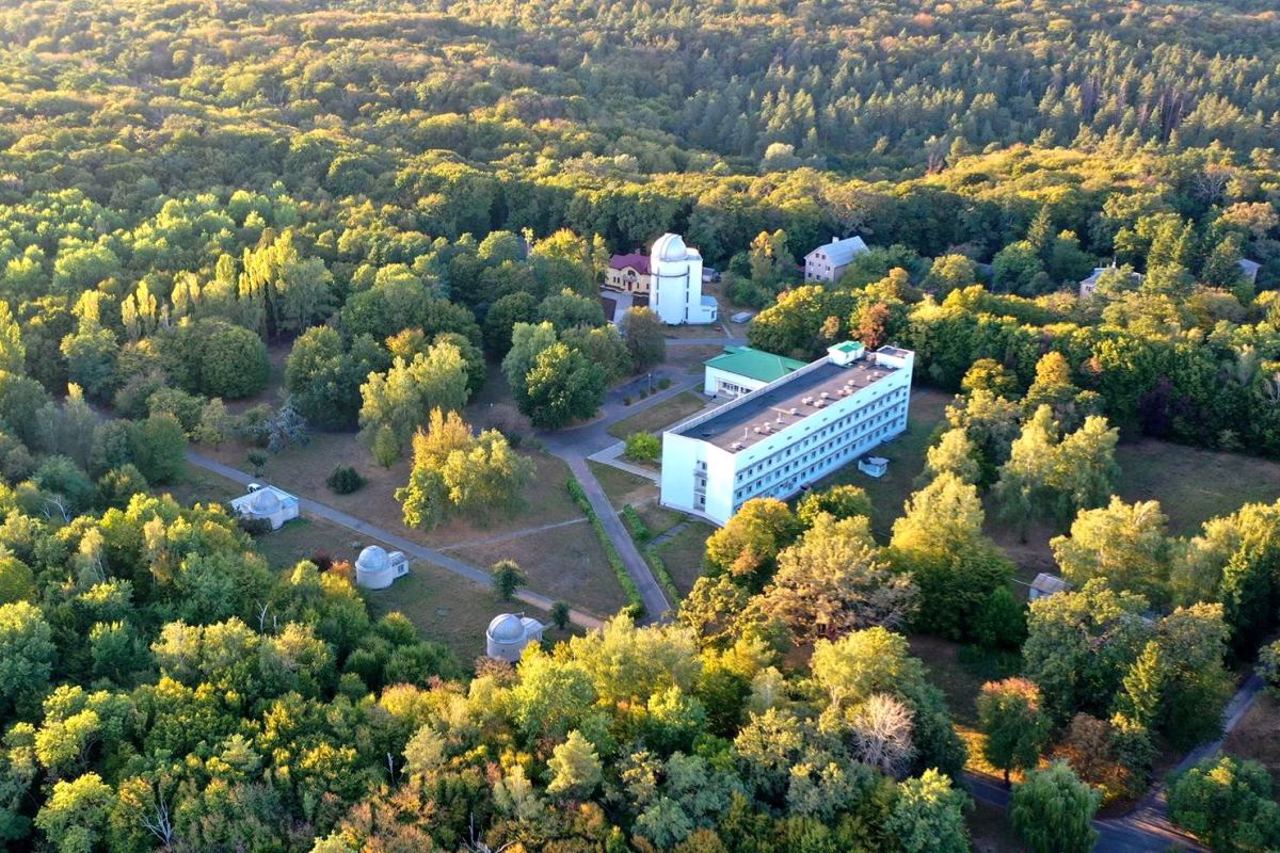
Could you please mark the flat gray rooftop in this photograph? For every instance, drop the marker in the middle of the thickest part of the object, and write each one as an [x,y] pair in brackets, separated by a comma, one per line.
[769,409]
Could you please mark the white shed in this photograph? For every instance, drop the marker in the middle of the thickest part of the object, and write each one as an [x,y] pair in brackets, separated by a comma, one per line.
[377,569]
[509,633]
[873,466]
[1045,585]
[266,503]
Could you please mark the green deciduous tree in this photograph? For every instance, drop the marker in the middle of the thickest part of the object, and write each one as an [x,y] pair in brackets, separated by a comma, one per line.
[1015,726]
[1227,802]
[939,541]
[928,815]
[1053,811]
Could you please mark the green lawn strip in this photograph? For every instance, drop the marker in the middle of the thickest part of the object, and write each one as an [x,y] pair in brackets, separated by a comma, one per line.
[642,536]
[636,604]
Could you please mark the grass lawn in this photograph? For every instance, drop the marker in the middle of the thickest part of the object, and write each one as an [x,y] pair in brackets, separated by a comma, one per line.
[906,460]
[565,563]
[959,682]
[1255,736]
[1194,485]
[304,470]
[682,554]
[623,487]
[660,416]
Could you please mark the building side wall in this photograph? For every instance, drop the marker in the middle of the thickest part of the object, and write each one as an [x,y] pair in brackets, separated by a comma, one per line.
[715,379]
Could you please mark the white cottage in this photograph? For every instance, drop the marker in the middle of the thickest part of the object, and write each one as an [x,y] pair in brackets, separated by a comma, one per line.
[508,634]
[827,263]
[266,503]
[377,569]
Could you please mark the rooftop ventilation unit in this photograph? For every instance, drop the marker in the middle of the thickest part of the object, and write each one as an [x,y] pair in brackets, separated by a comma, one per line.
[806,400]
[793,410]
[819,404]
[737,445]
[826,395]
[756,430]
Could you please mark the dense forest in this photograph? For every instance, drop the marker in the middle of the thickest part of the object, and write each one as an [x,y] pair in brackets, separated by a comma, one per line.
[401,195]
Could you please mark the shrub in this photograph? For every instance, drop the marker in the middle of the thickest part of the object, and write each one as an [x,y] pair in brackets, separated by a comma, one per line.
[664,383]
[643,447]
[344,480]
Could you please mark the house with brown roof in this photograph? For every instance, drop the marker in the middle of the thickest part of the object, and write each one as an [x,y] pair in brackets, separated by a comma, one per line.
[628,273]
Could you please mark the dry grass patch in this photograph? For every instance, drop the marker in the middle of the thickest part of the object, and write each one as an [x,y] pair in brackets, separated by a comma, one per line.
[682,554]
[1194,485]
[990,831]
[565,563]
[1257,735]
[623,487]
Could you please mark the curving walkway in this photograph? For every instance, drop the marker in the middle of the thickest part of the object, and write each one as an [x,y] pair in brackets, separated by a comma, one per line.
[575,445]
[400,543]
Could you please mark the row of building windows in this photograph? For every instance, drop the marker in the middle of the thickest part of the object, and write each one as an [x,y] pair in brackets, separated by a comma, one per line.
[836,450]
[891,405]
[827,463]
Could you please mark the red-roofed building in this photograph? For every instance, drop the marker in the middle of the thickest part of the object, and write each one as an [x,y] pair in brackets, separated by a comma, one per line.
[628,273]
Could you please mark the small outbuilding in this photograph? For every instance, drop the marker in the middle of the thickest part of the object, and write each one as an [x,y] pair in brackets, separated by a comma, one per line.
[378,569]
[873,466]
[509,633]
[266,503]
[1249,269]
[1045,585]
[740,370]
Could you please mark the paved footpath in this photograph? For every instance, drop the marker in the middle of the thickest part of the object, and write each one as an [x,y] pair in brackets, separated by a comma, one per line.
[400,543]
[576,444]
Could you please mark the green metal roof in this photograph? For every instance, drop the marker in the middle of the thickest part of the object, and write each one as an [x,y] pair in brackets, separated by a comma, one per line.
[849,346]
[754,364]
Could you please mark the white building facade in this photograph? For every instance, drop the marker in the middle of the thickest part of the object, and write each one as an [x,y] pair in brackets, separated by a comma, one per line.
[826,264]
[779,439]
[508,634]
[675,284]
[376,568]
[266,503]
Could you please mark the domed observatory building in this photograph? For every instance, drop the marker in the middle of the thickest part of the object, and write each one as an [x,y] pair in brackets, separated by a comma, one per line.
[508,634]
[377,569]
[266,503]
[675,284]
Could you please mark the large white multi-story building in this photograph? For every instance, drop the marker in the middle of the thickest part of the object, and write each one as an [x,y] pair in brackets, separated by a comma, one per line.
[794,431]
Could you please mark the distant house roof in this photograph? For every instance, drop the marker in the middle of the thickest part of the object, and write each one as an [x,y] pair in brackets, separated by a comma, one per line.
[840,252]
[1047,584]
[754,364]
[638,262]
[1250,267]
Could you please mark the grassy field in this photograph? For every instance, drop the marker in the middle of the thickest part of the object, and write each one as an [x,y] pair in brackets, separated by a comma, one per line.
[682,554]
[623,487]
[565,563]
[1194,485]
[304,470]
[445,607]
[660,416]
[906,460]
[990,831]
